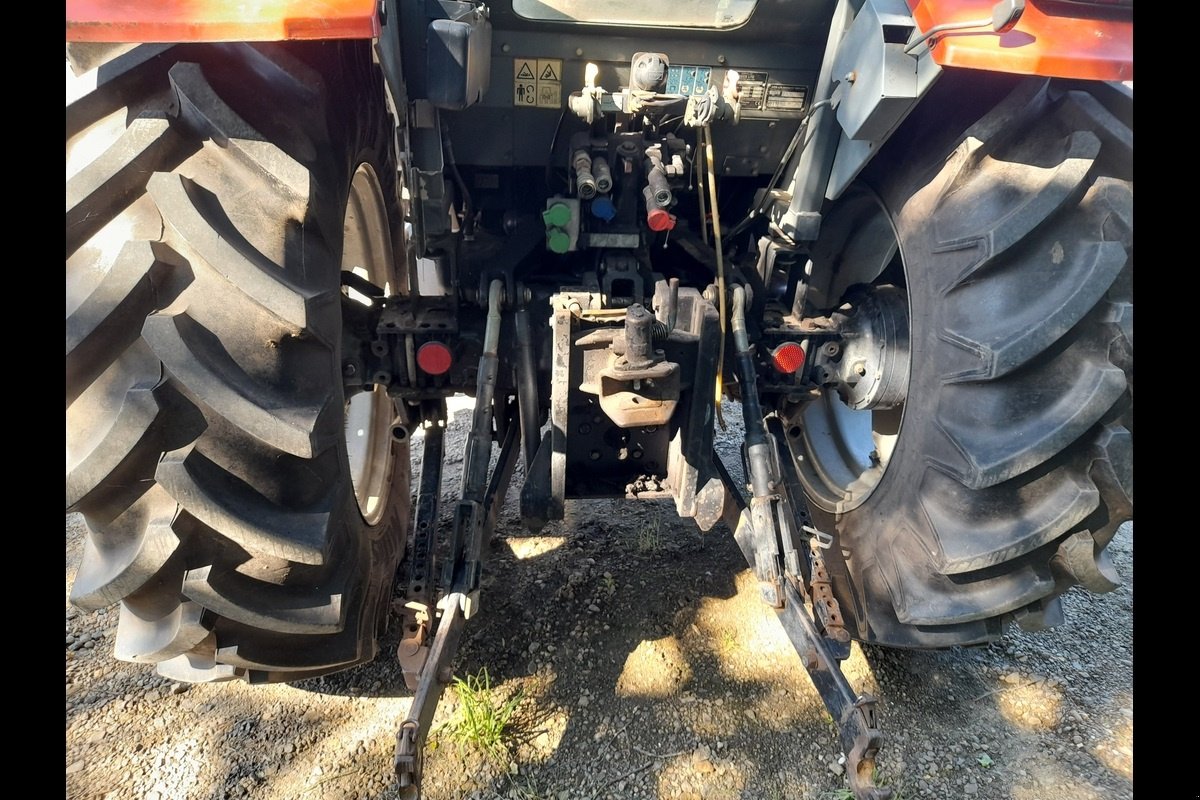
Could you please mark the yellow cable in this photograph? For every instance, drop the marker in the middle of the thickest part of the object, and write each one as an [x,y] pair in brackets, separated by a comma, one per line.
[700,194]
[716,223]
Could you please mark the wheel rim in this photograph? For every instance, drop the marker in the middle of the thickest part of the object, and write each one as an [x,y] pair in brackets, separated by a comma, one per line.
[367,252]
[846,450]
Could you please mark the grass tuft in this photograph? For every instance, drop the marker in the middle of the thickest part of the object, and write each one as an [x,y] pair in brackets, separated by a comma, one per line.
[649,536]
[483,718]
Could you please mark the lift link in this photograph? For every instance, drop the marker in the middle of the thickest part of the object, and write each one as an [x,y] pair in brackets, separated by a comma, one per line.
[474,520]
[771,536]
[463,568]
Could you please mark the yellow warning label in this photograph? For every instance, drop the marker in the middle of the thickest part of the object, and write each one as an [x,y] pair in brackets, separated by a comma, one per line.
[525,82]
[537,82]
[549,83]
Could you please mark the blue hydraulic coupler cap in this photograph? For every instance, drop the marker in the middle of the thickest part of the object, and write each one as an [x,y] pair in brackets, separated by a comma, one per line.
[603,208]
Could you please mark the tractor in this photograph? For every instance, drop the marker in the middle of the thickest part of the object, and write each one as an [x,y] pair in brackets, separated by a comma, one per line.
[893,237]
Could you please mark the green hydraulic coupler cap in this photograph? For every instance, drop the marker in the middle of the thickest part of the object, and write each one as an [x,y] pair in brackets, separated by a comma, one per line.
[558,240]
[557,215]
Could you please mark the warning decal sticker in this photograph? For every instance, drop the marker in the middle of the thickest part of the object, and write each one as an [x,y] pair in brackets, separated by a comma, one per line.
[537,82]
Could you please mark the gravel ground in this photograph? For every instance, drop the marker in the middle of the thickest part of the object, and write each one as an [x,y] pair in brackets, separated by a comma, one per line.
[647,670]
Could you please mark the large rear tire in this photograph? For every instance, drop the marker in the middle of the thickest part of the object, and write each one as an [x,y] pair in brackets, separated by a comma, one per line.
[244,512]
[1002,211]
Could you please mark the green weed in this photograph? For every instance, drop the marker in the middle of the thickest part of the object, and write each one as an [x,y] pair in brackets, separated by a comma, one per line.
[649,537]
[483,718]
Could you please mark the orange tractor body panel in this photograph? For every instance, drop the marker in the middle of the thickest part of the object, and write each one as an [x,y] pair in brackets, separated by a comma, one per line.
[1044,42]
[219,20]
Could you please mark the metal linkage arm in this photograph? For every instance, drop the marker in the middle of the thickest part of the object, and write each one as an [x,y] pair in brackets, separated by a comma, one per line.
[474,518]
[854,713]
[410,739]
[821,655]
[757,525]
[768,531]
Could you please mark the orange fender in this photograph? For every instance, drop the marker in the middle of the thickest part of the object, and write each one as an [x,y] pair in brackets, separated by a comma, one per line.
[1047,41]
[219,20]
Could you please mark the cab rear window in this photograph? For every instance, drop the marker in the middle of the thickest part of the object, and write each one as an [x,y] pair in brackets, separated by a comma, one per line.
[684,14]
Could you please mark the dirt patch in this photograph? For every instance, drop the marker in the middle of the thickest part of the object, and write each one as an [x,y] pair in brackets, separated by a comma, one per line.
[649,670]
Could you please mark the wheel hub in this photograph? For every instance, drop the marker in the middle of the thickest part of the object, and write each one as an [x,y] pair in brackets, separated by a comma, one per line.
[847,434]
[869,366]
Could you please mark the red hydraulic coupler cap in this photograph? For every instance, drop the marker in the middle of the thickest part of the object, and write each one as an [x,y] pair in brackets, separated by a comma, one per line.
[788,357]
[660,220]
[434,358]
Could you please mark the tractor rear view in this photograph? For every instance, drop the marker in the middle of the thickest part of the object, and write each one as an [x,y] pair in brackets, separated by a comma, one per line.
[898,235]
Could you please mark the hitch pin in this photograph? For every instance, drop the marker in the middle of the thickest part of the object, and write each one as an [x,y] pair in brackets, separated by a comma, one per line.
[824,540]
